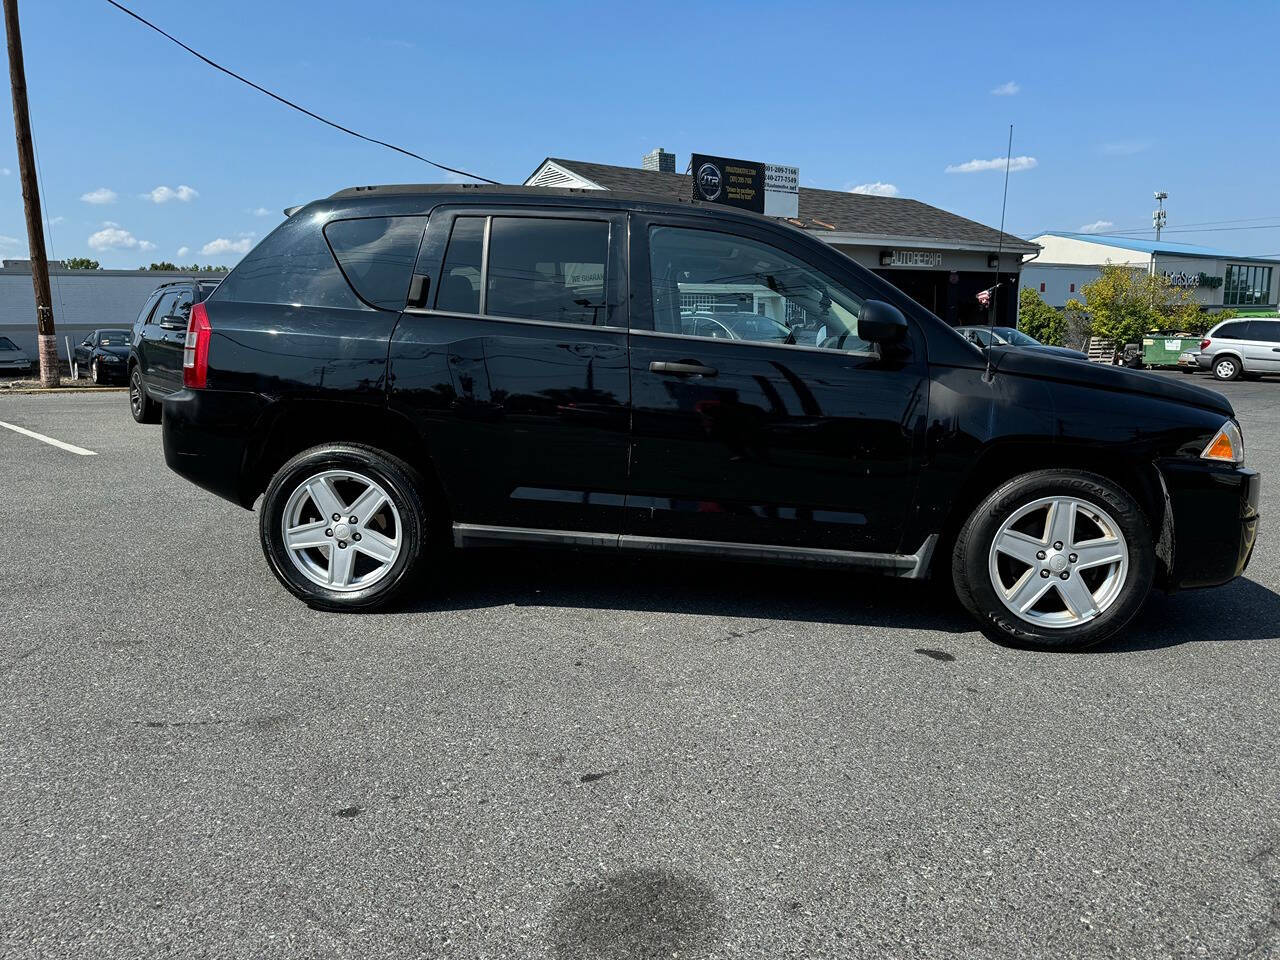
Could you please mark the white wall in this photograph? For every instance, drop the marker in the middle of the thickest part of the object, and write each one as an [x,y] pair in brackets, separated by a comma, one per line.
[1061,281]
[1071,250]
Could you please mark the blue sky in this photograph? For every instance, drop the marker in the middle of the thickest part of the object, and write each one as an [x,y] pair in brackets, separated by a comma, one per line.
[1109,103]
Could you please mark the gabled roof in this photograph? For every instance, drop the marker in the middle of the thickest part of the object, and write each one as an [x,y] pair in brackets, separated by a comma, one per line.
[1150,246]
[821,211]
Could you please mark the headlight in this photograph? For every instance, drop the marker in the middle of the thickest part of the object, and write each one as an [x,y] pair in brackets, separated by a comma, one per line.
[1227,445]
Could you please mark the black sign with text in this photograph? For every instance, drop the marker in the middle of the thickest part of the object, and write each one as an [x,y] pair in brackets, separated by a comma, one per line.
[735,183]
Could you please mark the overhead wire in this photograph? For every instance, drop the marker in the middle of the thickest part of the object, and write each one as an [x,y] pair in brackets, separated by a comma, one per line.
[289,103]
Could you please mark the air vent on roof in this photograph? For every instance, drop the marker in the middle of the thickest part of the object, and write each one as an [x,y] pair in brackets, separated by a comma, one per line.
[550,176]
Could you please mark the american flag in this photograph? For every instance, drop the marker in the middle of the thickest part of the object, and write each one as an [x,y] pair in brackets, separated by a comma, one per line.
[984,298]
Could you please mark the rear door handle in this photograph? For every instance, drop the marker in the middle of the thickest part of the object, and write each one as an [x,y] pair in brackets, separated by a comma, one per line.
[682,369]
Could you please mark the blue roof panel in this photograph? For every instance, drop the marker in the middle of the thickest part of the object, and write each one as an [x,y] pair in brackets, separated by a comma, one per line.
[1152,246]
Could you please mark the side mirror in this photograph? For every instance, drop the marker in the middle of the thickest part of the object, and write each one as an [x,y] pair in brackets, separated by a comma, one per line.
[881,322]
[172,323]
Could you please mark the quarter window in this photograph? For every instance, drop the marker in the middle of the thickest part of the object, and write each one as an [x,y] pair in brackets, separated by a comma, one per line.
[377,255]
[726,287]
[293,265]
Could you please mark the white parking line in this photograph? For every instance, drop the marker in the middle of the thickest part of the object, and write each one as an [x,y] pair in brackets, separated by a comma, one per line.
[69,447]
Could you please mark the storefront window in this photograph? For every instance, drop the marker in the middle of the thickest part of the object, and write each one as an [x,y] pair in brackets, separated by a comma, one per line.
[1246,285]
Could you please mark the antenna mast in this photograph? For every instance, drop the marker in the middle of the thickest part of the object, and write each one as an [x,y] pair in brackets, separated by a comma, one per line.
[995,290]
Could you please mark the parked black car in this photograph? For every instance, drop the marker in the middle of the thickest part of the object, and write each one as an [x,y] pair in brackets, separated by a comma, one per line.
[400,368]
[156,344]
[103,356]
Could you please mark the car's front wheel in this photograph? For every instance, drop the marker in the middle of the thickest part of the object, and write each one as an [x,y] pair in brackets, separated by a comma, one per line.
[1226,368]
[342,526]
[1055,559]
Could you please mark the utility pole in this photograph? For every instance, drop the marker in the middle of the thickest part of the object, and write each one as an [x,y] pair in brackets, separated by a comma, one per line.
[31,200]
[1157,215]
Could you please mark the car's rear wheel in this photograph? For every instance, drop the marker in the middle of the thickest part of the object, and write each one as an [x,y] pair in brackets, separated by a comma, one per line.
[1226,368]
[143,408]
[1055,559]
[343,525]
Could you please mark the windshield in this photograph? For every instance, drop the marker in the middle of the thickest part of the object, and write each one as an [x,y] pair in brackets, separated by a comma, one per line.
[6,344]
[1016,337]
[113,338]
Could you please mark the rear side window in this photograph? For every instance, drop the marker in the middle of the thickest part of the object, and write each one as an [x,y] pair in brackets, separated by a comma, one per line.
[293,265]
[1267,332]
[1232,331]
[377,256]
[550,270]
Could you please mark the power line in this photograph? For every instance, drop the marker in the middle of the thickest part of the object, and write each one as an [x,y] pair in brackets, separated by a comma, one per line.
[289,103]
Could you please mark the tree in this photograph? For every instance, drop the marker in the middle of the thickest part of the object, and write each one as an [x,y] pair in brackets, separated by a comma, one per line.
[162,265]
[81,263]
[1037,319]
[1124,303]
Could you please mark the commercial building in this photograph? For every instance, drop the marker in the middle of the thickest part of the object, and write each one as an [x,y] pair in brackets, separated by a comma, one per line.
[940,259]
[83,300]
[1221,280]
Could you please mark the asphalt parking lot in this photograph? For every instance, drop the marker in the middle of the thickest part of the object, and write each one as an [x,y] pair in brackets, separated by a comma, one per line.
[586,759]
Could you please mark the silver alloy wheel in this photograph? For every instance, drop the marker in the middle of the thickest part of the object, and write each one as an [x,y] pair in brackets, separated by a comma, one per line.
[135,392]
[332,520]
[93,371]
[1226,369]
[1058,562]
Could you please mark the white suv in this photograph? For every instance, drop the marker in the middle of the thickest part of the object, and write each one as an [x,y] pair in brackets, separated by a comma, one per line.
[1236,347]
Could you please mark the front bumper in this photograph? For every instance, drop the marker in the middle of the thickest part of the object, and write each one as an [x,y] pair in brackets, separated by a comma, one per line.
[206,438]
[1215,520]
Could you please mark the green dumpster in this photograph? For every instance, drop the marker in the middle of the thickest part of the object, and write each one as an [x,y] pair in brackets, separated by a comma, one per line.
[1160,350]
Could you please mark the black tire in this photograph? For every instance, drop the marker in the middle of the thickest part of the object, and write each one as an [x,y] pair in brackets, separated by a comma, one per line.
[402,483]
[1226,368]
[970,574]
[1188,370]
[143,408]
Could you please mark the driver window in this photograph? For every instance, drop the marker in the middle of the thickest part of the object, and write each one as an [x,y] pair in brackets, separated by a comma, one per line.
[726,287]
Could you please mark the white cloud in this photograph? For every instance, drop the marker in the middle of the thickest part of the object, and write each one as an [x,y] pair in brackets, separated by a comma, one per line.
[1097,226]
[222,245]
[164,194]
[8,241]
[99,196]
[57,220]
[260,212]
[5,170]
[977,166]
[114,237]
[876,189]
[183,251]
[1006,89]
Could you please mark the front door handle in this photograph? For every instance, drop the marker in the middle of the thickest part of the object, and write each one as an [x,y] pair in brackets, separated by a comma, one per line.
[682,369]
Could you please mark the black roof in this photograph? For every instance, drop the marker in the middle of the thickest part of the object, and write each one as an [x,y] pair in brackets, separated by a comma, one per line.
[834,211]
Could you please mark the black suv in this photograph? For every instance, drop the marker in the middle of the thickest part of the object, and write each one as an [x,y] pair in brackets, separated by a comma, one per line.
[156,343]
[404,368]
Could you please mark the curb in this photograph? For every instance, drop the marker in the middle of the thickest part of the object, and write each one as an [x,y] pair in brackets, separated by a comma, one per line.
[27,391]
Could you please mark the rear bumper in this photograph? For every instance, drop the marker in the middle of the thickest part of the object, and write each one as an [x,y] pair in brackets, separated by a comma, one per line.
[1215,521]
[206,438]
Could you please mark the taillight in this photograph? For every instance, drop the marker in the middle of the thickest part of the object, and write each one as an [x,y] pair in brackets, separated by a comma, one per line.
[195,354]
[1204,344]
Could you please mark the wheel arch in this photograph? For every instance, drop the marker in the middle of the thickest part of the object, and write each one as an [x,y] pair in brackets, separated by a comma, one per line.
[287,428]
[1001,462]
